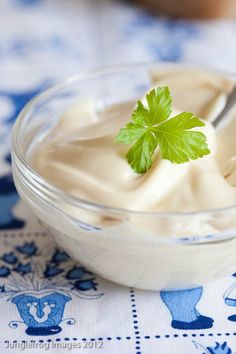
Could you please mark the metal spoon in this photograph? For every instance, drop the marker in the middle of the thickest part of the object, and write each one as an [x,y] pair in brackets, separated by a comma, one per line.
[231,101]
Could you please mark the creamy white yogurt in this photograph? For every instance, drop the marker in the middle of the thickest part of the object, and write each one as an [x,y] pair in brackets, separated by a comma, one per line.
[81,157]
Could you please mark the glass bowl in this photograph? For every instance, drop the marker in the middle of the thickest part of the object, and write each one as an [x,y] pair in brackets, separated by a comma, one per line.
[146,250]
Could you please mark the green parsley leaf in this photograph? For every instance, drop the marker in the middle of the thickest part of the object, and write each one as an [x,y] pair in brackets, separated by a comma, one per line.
[130,133]
[140,154]
[159,107]
[177,143]
[151,127]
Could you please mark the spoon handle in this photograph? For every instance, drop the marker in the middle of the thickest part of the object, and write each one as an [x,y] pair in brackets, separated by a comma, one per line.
[231,101]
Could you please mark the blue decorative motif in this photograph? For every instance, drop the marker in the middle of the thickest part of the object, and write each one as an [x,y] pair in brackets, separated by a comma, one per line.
[163,39]
[51,271]
[10,258]
[40,292]
[29,249]
[217,348]
[182,306]
[84,285]
[77,273]
[41,313]
[23,269]
[59,256]
[4,272]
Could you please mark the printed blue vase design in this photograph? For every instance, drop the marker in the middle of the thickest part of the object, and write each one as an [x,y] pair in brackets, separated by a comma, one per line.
[41,287]
[41,313]
[182,306]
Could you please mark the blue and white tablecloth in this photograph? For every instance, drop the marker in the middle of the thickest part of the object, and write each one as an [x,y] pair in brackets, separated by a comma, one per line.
[47,301]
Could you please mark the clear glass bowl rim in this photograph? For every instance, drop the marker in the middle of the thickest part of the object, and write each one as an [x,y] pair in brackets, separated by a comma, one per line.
[81,203]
